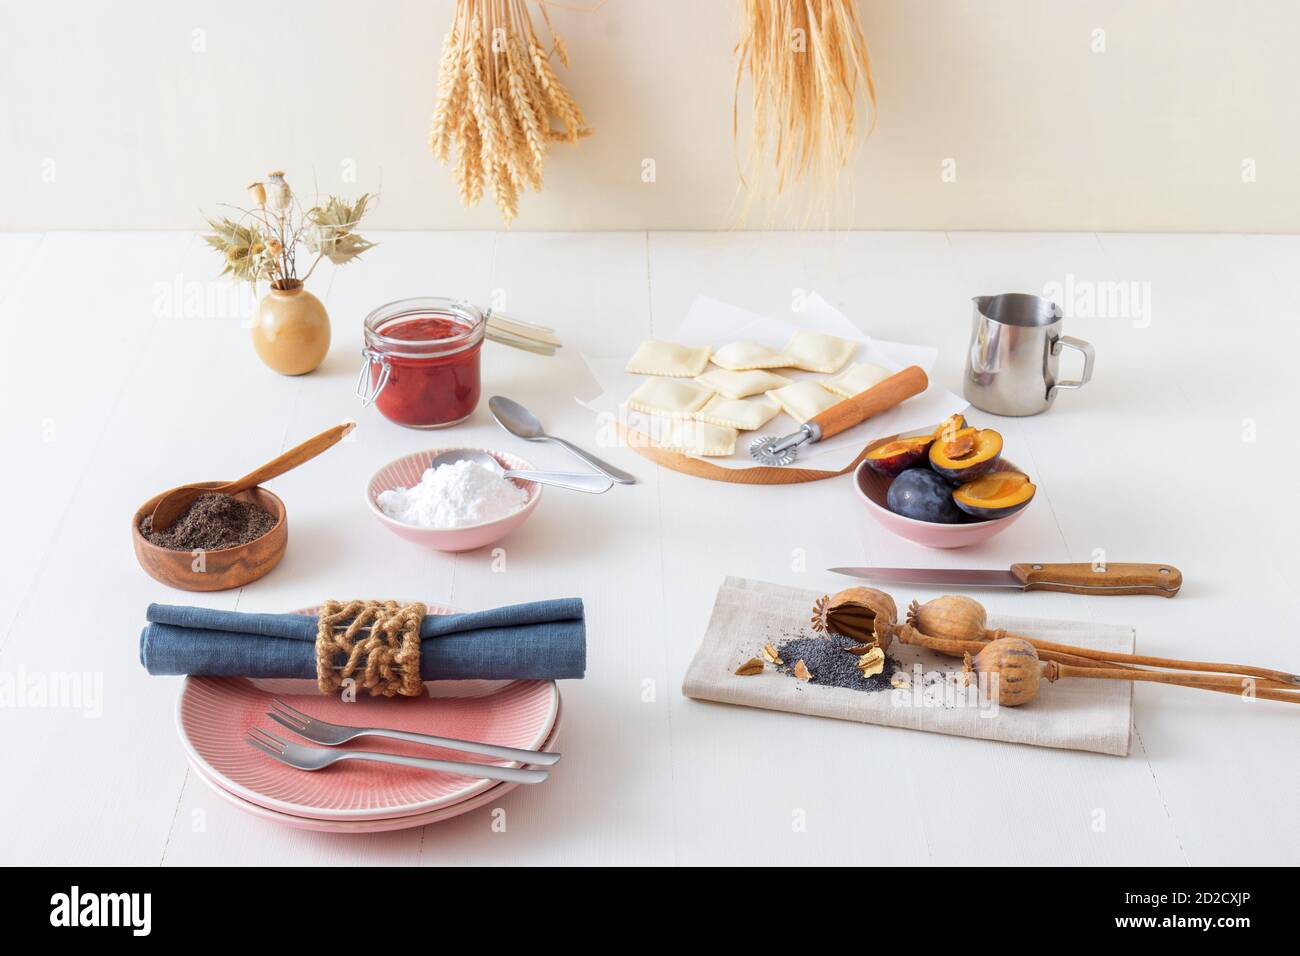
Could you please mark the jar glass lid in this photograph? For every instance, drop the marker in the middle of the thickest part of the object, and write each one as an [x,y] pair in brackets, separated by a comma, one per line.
[418,325]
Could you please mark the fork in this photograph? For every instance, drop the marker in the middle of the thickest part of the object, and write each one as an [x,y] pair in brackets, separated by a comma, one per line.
[317,758]
[331,735]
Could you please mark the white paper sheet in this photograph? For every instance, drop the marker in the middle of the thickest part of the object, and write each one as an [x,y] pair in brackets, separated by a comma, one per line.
[715,323]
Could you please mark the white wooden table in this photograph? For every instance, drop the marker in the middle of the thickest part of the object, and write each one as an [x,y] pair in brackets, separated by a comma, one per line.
[1183,450]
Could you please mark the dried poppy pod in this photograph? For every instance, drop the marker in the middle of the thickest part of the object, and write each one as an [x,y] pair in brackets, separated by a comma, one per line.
[862,615]
[1011,669]
[953,617]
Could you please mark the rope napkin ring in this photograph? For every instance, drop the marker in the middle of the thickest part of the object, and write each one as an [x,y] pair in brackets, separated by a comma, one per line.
[379,642]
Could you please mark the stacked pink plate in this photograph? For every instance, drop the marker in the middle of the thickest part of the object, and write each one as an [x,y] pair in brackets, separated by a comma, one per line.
[214,714]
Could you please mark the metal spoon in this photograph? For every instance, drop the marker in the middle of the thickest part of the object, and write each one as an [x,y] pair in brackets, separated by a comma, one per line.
[592,484]
[522,423]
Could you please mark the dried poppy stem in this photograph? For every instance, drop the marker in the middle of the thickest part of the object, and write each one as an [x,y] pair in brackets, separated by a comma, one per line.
[1284,696]
[1205,681]
[1053,671]
[861,613]
[962,618]
[1075,666]
[1281,678]
[907,634]
[1012,669]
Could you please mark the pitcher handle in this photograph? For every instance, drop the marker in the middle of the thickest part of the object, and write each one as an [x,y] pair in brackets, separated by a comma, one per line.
[1070,342]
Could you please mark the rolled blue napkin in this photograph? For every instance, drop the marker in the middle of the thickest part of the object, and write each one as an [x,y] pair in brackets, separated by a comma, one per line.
[543,640]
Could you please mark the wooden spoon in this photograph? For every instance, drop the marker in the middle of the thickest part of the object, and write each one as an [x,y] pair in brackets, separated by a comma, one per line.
[175,503]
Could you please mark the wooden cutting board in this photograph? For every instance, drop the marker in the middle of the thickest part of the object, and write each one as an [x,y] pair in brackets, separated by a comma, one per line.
[756,475]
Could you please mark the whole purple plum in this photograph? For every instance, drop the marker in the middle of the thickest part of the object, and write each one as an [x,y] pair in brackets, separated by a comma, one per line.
[921,494]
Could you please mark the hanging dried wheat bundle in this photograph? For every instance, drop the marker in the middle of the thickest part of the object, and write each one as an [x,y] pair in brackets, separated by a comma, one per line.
[500,101]
[807,60]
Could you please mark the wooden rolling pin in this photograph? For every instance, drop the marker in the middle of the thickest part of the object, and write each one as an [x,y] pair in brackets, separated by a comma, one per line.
[842,416]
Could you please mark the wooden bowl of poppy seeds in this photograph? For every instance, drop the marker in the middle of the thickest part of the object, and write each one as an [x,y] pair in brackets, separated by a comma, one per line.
[221,542]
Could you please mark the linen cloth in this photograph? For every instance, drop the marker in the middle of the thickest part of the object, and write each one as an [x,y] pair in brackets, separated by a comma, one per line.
[543,640]
[1074,714]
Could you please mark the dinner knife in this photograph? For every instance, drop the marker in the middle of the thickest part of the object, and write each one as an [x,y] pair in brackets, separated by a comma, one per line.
[1163,580]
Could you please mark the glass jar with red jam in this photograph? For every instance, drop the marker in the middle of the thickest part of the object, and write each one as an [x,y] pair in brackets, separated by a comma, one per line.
[422,361]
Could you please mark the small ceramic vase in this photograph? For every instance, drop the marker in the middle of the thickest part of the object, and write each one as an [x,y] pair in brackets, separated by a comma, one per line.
[292,333]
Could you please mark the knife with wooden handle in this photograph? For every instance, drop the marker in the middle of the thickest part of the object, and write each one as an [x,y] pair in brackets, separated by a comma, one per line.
[1163,580]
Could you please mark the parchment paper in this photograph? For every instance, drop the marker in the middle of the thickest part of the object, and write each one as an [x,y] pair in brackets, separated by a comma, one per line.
[711,322]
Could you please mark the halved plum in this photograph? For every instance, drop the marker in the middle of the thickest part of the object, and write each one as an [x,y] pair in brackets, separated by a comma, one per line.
[921,494]
[966,453]
[896,456]
[995,495]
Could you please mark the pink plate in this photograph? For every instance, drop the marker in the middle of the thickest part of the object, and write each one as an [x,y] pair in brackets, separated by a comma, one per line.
[405,472]
[214,713]
[872,487]
[491,795]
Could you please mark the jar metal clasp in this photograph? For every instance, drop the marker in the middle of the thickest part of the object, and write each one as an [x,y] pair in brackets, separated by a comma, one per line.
[367,389]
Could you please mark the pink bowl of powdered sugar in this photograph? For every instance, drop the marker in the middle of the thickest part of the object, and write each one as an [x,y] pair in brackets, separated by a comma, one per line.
[456,507]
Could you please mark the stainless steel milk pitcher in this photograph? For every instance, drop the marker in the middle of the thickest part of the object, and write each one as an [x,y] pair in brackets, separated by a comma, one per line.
[1014,356]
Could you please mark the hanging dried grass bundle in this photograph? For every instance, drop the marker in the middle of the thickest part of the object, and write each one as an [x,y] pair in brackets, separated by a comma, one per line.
[500,101]
[806,60]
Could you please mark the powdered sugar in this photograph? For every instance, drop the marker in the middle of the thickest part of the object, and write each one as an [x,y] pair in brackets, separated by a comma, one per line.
[454,496]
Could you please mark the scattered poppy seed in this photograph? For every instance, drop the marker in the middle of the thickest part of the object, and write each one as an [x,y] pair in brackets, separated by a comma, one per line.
[831,664]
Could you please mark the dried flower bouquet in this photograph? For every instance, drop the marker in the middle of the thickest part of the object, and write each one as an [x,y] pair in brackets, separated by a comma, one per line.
[262,242]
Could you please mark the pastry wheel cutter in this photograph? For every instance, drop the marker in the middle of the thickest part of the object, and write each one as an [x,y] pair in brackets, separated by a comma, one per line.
[842,416]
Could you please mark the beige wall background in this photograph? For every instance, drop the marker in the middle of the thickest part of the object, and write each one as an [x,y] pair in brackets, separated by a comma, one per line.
[139,114]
